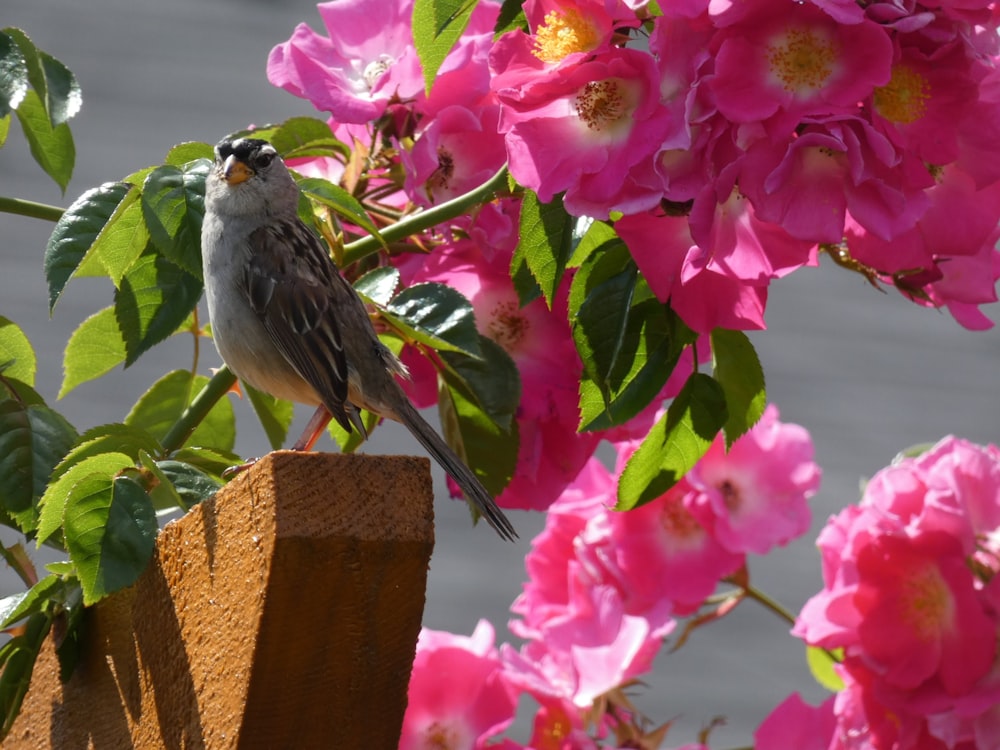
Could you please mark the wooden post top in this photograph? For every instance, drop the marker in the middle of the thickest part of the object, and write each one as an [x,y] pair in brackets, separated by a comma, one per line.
[282,613]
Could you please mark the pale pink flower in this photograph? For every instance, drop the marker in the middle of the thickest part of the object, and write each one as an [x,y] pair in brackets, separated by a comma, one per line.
[755,495]
[366,60]
[457,698]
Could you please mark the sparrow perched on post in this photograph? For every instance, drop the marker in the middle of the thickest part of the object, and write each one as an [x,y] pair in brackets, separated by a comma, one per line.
[285,320]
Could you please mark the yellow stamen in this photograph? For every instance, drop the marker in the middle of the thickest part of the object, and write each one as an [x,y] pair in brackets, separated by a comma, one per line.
[563,33]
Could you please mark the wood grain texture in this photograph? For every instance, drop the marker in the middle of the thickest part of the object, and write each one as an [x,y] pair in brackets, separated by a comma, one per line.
[282,613]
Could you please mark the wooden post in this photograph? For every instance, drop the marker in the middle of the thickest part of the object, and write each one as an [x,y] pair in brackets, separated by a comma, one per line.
[283,613]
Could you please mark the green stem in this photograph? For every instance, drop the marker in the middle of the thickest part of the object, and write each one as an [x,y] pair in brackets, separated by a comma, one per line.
[422,220]
[761,598]
[215,389]
[22,207]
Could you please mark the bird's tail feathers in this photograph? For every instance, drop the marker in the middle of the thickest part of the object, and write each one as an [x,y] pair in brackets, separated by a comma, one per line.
[434,444]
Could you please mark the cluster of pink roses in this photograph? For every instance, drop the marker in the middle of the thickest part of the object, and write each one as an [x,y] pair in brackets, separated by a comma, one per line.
[735,140]
[911,598]
[603,590]
[728,144]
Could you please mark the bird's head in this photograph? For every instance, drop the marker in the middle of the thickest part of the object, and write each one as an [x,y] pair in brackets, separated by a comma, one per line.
[249,177]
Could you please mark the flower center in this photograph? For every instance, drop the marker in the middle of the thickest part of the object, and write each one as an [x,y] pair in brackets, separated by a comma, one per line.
[600,104]
[440,178]
[440,737]
[507,326]
[904,99]
[563,33]
[677,520]
[801,60]
[730,495]
[374,70]
[927,603]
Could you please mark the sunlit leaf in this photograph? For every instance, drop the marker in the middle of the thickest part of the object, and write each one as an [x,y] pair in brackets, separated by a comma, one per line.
[154,298]
[13,75]
[738,371]
[17,358]
[437,26]
[94,348]
[76,231]
[173,204]
[110,528]
[545,242]
[51,146]
[435,315]
[53,502]
[159,408]
[675,444]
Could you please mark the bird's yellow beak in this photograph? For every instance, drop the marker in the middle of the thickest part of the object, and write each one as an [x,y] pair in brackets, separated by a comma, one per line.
[234,171]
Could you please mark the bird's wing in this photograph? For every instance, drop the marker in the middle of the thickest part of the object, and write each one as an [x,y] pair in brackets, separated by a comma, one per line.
[288,282]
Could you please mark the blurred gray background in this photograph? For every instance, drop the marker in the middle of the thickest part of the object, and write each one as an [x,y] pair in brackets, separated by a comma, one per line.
[867,373]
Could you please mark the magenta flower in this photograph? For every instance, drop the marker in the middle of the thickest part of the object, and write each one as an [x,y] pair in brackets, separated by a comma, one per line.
[456,698]
[755,494]
[677,270]
[796,61]
[794,723]
[458,150]
[910,594]
[581,128]
[366,60]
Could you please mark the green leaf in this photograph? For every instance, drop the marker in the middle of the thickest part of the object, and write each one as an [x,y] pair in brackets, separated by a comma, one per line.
[161,406]
[275,414]
[339,200]
[491,451]
[192,485]
[675,444]
[18,656]
[599,327]
[378,285]
[76,231]
[299,137]
[189,151]
[110,528]
[154,299]
[26,603]
[491,382]
[437,27]
[738,371]
[13,75]
[33,439]
[108,438]
[821,664]
[54,83]
[17,358]
[173,204]
[546,242]
[51,146]
[123,238]
[511,17]
[211,461]
[4,129]
[605,261]
[435,315]
[651,349]
[53,502]
[94,348]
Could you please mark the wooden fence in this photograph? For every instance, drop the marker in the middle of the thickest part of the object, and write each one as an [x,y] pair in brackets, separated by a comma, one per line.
[283,613]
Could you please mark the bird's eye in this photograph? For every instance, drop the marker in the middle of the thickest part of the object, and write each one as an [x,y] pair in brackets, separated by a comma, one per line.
[263,161]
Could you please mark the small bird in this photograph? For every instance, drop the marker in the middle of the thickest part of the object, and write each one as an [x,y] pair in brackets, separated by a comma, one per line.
[285,320]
